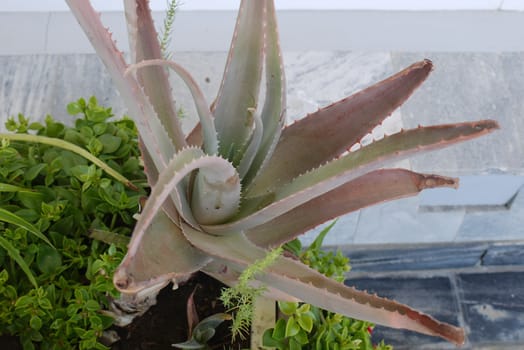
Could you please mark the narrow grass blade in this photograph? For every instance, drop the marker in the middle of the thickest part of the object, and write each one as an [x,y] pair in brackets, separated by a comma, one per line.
[16,220]
[73,148]
[15,255]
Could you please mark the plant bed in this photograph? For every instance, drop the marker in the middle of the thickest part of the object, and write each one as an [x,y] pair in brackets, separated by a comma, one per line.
[166,322]
[55,280]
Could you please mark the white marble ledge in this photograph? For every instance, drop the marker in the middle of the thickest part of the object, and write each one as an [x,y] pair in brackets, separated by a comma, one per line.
[330,30]
[190,5]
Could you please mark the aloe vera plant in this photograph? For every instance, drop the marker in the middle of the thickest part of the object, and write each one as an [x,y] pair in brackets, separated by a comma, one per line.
[242,182]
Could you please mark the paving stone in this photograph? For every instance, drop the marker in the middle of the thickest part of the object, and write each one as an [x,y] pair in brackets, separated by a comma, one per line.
[485,225]
[434,296]
[493,306]
[475,191]
[505,254]
[470,86]
[401,222]
[45,84]
[340,234]
[416,257]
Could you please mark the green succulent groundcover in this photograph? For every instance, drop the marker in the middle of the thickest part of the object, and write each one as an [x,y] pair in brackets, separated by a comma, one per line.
[55,279]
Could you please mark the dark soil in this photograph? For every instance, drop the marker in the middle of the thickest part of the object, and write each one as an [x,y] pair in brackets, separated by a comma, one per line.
[166,322]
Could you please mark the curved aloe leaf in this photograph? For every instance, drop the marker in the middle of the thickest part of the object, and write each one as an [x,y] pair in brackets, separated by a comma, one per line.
[256,211]
[339,125]
[206,118]
[144,45]
[295,278]
[238,94]
[216,193]
[159,255]
[273,114]
[152,131]
[372,188]
[253,146]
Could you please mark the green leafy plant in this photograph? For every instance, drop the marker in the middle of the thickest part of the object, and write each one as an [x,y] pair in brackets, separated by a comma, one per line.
[331,264]
[55,281]
[306,326]
[241,183]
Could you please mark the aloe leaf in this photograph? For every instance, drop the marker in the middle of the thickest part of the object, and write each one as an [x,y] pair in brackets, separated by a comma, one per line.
[73,148]
[273,114]
[372,188]
[16,220]
[229,274]
[194,138]
[150,169]
[152,131]
[159,255]
[238,93]
[144,45]
[167,184]
[315,183]
[296,279]
[216,191]
[203,332]
[216,194]
[131,14]
[253,147]
[15,255]
[340,125]
[312,287]
[205,116]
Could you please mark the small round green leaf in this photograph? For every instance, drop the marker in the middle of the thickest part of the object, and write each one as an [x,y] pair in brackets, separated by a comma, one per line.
[74,108]
[35,323]
[292,327]
[288,308]
[306,321]
[48,259]
[111,143]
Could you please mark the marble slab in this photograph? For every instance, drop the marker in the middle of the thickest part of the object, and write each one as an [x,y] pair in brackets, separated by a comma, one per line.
[474,192]
[494,224]
[401,221]
[470,86]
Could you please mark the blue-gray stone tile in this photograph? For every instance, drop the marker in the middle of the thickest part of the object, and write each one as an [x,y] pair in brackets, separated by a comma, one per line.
[493,306]
[504,254]
[435,296]
[416,257]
